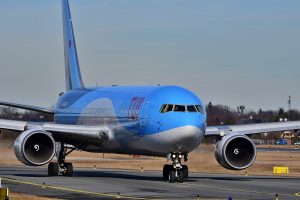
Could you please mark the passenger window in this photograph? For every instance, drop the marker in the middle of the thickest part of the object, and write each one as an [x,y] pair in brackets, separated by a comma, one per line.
[191,108]
[179,108]
[200,109]
[169,108]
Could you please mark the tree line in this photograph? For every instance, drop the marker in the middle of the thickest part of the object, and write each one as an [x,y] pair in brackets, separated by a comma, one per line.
[223,115]
[23,115]
[217,114]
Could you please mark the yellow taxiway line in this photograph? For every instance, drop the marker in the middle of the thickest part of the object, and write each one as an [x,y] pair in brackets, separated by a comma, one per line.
[71,190]
[139,198]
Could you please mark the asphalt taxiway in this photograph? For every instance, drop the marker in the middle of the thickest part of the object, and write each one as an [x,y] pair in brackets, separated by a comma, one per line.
[123,184]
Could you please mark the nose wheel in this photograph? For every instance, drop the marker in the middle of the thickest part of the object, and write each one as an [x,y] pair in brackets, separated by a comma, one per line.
[61,167]
[176,171]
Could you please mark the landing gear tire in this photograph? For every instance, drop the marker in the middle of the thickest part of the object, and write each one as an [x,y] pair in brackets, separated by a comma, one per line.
[176,171]
[172,176]
[53,169]
[166,171]
[66,169]
[180,176]
[69,169]
[185,170]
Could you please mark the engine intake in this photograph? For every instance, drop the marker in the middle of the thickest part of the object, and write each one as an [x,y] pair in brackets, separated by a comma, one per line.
[235,152]
[35,147]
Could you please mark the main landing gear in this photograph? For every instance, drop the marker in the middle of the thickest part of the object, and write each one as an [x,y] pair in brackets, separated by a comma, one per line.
[176,171]
[66,169]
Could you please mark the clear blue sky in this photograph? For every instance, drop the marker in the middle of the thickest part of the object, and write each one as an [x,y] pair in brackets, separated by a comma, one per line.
[228,52]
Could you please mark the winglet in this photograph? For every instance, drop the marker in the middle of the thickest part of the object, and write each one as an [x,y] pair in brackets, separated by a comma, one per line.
[72,69]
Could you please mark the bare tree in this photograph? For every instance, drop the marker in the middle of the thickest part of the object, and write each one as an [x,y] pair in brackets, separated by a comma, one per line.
[241,109]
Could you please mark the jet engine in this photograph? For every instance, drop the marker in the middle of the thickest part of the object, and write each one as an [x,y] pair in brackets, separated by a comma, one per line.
[235,152]
[35,147]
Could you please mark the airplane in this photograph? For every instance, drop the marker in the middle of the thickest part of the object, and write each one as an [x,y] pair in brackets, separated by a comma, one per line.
[163,121]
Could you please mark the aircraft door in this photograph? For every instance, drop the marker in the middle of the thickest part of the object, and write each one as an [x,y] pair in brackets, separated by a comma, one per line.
[144,114]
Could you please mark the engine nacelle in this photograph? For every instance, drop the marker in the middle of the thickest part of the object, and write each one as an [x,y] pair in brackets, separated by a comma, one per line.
[35,147]
[235,152]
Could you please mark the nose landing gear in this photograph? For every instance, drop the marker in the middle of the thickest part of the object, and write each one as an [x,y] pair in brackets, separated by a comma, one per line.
[176,171]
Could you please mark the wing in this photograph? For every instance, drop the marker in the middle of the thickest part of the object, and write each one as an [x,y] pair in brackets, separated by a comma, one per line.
[26,107]
[248,129]
[70,133]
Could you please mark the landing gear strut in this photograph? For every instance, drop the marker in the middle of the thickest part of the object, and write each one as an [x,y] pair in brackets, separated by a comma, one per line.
[176,171]
[66,169]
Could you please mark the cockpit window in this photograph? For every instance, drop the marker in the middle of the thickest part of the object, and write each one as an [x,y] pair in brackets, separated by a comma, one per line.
[163,108]
[169,108]
[200,109]
[179,108]
[166,108]
[191,108]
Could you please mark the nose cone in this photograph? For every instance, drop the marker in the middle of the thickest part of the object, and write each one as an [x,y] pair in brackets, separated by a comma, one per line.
[183,139]
[172,120]
[189,132]
[190,119]
[180,128]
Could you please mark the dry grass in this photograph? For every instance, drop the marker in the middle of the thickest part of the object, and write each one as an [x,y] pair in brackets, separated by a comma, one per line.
[201,160]
[18,196]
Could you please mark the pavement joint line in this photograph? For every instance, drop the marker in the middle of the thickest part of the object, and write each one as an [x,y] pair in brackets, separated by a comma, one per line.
[70,190]
[240,190]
